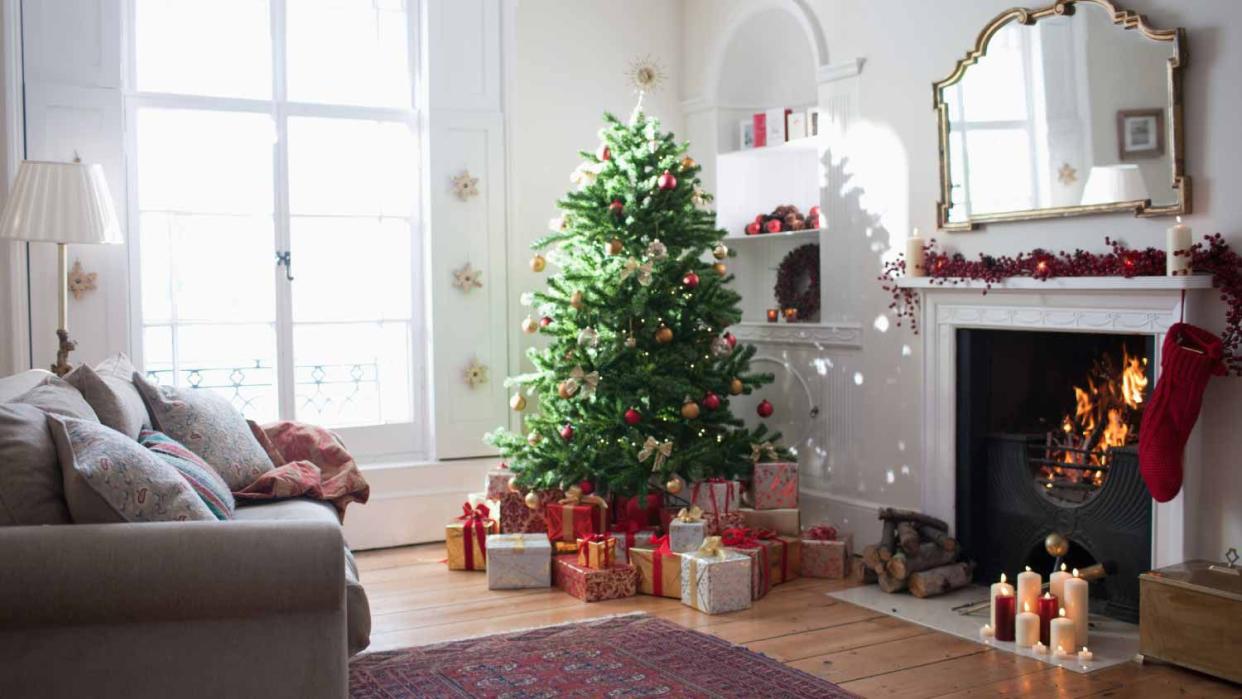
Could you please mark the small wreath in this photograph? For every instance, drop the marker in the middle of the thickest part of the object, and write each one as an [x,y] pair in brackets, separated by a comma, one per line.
[797,281]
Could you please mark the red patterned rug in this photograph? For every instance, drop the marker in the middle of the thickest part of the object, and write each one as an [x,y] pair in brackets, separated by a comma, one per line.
[626,656]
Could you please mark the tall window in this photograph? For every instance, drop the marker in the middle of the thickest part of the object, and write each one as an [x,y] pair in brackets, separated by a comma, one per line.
[274,167]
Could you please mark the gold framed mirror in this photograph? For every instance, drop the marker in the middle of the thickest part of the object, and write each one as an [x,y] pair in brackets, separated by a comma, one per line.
[1066,110]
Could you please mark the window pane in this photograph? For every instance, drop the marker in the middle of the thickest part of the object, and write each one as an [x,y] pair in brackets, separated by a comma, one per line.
[352,373]
[351,167]
[1000,170]
[350,268]
[348,52]
[994,88]
[221,48]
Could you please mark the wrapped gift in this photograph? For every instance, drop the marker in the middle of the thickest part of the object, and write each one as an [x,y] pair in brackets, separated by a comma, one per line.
[594,584]
[576,516]
[784,553]
[562,548]
[628,536]
[687,530]
[744,541]
[775,485]
[517,518]
[498,480]
[825,554]
[517,561]
[659,569]
[643,510]
[597,551]
[716,495]
[715,580]
[718,523]
[476,499]
[466,538]
[784,521]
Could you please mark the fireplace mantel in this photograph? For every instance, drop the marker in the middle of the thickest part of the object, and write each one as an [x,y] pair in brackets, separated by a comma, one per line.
[1139,305]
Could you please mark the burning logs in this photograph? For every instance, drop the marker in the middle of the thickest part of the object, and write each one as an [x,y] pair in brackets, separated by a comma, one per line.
[915,552]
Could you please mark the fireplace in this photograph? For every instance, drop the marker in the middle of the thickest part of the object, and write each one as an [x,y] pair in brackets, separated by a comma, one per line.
[1046,434]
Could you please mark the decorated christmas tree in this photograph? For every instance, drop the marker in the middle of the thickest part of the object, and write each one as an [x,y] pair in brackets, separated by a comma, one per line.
[634,386]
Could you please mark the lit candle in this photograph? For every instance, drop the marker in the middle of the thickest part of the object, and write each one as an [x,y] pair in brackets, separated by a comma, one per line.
[1178,237]
[1047,611]
[1003,605]
[997,590]
[986,632]
[1029,583]
[791,314]
[773,315]
[1056,583]
[1026,628]
[1040,648]
[1061,639]
[915,256]
[1085,656]
[1075,602]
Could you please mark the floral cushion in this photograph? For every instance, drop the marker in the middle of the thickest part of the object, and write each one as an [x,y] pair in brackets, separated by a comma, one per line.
[208,425]
[111,478]
[202,478]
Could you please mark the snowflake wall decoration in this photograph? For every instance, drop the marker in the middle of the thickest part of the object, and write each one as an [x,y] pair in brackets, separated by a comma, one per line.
[465,186]
[80,281]
[468,278]
[475,374]
[1067,175]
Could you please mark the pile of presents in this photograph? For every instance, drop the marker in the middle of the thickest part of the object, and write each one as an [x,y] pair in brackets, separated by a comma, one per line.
[706,550]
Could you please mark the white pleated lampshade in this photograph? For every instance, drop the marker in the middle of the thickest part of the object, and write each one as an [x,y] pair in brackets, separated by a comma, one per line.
[60,203]
[1108,184]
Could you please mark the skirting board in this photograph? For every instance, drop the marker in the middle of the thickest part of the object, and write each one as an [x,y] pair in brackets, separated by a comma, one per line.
[1112,642]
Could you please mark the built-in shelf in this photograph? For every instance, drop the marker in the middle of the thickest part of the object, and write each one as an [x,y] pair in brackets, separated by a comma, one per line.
[813,143]
[1199,281]
[786,235]
[820,334]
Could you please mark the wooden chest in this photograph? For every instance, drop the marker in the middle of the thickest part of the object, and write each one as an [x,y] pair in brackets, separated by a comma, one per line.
[1192,616]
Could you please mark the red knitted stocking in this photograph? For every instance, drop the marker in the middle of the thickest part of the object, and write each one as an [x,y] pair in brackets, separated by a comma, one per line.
[1190,356]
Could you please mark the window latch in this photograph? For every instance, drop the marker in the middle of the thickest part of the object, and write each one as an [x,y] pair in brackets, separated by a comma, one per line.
[284,258]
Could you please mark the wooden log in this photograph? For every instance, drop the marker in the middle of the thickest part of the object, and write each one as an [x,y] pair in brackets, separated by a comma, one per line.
[937,581]
[886,540]
[888,513]
[871,558]
[941,538]
[860,572]
[930,555]
[890,584]
[908,538]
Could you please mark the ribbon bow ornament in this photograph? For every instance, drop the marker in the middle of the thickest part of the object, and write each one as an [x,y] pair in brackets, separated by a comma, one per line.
[711,547]
[820,532]
[694,513]
[656,250]
[580,379]
[757,451]
[643,270]
[662,451]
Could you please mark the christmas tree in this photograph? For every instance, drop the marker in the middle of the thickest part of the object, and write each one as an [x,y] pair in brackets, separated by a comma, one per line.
[634,386]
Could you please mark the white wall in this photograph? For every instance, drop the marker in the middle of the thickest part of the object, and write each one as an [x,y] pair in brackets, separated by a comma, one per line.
[890,158]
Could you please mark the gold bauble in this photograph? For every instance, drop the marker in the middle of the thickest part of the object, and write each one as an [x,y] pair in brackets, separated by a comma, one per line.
[674,485]
[513,486]
[664,335]
[518,402]
[690,410]
[537,263]
[532,500]
[613,247]
[720,268]
[530,326]
[534,438]
[563,391]
[1056,545]
[735,387]
[720,252]
[575,300]
[687,163]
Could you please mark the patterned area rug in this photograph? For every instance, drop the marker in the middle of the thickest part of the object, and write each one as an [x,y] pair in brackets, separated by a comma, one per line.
[626,656]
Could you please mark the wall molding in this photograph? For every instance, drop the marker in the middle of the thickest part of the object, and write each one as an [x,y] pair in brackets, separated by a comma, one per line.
[14,314]
[847,335]
[842,70]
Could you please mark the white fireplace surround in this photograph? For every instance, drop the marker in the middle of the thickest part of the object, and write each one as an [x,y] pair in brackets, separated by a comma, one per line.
[1143,305]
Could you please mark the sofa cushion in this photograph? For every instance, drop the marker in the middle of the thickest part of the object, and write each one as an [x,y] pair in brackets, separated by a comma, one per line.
[55,395]
[207,424]
[357,608]
[109,477]
[208,484]
[121,370]
[115,402]
[31,492]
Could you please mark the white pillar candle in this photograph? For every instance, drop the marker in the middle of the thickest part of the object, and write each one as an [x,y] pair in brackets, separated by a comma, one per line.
[1026,629]
[1178,238]
[1085,656]
[1061,635]
[915,256]
[1075,605]
[1029,583]
[999,588]
[1056,583]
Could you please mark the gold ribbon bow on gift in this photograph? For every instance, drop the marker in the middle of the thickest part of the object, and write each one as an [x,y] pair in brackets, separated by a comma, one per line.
[662,451]
[580,379]
[758,450]
[694,513]
[711,547]
[643,270]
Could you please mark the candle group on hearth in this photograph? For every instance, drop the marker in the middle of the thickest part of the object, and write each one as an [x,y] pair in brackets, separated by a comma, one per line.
[1057,620]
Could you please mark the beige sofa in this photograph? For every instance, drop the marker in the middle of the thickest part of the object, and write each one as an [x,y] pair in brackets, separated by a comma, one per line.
[265,605]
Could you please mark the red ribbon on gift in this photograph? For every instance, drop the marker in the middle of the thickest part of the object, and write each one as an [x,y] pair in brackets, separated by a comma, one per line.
[820,532]
[694,495]
[738,537]
[474,521]
[662,549]
[769,535]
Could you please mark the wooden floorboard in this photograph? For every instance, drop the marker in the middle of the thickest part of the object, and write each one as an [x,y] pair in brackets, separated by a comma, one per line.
[415,600]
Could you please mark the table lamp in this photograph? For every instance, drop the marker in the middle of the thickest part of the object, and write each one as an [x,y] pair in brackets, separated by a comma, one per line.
[62,203]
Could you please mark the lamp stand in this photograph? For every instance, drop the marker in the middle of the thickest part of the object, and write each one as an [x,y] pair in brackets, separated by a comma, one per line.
[65,346]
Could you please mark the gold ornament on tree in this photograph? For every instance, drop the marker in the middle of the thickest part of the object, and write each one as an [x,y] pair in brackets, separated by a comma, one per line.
[532,500]
[534,438]
[575,300]
[675,485]
[720,268]
[720,252]
[513,486]
[613,247]
[538,263]
[518,402]
[530,326]
[664,335]
[690,410]
[687,162]
[735,386]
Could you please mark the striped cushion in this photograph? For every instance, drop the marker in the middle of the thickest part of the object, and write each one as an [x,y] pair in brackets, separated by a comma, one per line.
[206,482]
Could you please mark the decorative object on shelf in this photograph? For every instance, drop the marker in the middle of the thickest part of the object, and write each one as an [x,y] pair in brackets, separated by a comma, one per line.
[774,315]
[797,281]
[1066,174]
[645,74]
[80,281]
[795,125]
[783,219]
[916,254]
[790,314]
[814,122]
[475,373]
[1140,134]
[465,186]
[1177,249]
[468,278]
[746,134]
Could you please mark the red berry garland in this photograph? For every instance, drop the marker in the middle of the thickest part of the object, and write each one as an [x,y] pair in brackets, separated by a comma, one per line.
[1213,256]
[801,266]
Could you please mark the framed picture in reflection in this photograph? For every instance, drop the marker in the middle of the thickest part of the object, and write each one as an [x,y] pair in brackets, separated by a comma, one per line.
[1140,133]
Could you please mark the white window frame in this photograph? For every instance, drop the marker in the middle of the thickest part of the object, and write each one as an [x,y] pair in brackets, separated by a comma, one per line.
[376,445]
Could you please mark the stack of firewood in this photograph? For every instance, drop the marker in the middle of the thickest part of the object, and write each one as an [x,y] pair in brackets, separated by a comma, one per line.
[916,553]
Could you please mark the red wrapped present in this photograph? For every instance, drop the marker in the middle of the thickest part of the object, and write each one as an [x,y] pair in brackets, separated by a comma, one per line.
[645,510]
[597,551]
[576,517]
[744,541]
[517,518]
[591,584]
[716,495]
[825,554]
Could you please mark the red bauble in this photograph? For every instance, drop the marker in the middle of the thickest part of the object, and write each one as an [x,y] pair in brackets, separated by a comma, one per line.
[633,417]
[603,153]
[773,226]
[666,181]
[690,281]
[586,487]
[752,228]
[812,221]
[567,432]
[729,338]
[545,321]
[616,208]
[711,401]
[764,409]
[759,219]
[814,211]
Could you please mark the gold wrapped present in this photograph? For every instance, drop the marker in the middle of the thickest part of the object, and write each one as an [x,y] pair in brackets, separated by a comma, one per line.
[466,538]
[597,551]
[659,570]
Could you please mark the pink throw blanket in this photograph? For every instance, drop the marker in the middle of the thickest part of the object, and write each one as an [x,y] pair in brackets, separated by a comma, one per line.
[310,462]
